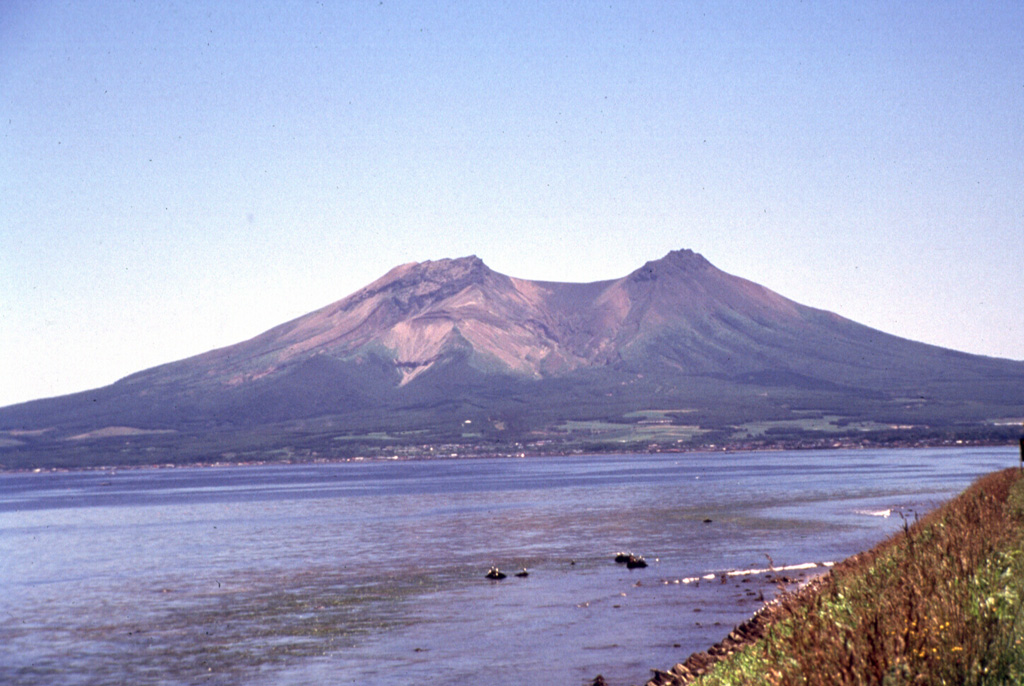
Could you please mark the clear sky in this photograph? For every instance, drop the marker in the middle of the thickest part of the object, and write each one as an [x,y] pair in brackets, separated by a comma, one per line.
[180,176]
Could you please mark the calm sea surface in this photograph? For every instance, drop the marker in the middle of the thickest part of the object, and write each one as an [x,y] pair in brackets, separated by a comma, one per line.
[373,572]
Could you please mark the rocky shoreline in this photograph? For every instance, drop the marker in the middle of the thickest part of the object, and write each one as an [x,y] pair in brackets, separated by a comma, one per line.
[743,635]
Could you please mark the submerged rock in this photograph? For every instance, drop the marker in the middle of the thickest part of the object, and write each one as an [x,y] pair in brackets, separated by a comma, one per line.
[636,562]
[630,560]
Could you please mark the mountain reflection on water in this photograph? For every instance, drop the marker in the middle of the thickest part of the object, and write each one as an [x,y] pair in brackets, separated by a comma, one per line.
[373,572]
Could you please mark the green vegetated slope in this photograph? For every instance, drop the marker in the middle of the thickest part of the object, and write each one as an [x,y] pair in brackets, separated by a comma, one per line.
[940,603]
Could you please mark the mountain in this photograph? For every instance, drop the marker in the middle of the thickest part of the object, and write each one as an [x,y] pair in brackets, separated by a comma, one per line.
[451,353]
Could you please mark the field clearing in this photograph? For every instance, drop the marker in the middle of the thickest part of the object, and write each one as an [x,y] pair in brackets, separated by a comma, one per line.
[827,423]
[627,433]
[657,414]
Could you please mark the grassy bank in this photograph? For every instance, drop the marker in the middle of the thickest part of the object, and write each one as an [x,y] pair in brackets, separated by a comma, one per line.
[940,603]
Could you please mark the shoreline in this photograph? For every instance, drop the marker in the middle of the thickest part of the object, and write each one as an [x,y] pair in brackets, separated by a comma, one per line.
[989,499]
[746,633]
[428,456]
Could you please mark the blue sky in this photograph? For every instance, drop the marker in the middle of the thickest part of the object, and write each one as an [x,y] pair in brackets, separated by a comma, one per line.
[180,176]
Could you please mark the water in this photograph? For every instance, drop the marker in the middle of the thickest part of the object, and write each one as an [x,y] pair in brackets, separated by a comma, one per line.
[373,572]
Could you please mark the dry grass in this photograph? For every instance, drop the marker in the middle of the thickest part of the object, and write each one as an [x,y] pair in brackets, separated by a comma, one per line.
[940,603]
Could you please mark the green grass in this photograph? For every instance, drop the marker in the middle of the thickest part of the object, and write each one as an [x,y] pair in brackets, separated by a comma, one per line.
[941,603]
[657,414]
[824,424]
[630,433]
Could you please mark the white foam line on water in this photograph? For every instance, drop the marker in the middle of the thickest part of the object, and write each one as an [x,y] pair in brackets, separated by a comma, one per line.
[786,568]
[750,572]
[875,513]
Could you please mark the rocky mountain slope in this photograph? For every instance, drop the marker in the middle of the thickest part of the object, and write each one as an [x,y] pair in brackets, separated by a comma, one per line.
[432,348]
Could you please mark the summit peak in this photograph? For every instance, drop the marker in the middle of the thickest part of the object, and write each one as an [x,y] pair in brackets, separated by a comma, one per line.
[449,266]
[684,259]
[675,262]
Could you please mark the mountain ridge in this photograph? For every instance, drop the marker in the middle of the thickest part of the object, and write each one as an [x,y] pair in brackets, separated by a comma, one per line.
[431,344]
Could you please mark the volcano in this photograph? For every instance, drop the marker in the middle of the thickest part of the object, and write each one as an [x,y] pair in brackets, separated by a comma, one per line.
[451,353]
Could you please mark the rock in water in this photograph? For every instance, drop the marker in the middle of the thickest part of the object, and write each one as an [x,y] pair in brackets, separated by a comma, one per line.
[636,562]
